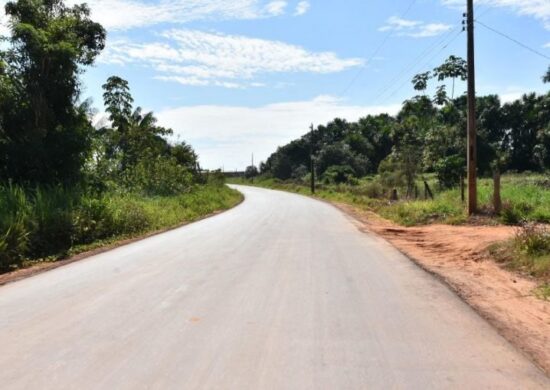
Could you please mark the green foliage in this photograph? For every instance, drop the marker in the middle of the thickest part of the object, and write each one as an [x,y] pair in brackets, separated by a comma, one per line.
[449,170]
[527,252]
[391,174]
[420,81]
[533,239]
[251,172]
[14,210]
[157,176]
[44,136]
[338,174]
[52,222]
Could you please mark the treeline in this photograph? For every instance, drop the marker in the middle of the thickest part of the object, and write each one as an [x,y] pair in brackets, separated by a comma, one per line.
[46,133]
[63,181]
[428,135]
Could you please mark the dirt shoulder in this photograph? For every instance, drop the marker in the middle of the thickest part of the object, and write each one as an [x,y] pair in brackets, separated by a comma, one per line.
[458,255]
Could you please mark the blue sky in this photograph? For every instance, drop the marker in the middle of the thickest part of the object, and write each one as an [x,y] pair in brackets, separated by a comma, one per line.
[235,77]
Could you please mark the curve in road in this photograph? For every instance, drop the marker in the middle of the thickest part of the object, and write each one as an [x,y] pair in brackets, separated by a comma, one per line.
[281,292]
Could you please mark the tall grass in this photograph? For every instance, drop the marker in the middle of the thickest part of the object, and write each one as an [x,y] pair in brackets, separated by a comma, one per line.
[50,222]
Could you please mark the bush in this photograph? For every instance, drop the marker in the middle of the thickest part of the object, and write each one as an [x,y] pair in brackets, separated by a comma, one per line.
[52,221]
[158,176]
[14,208]
[129,217]
[449,170]
[391,173]
[93,220]
[251,172]
[533,239]
[515,213]
[371,189]
[338,174]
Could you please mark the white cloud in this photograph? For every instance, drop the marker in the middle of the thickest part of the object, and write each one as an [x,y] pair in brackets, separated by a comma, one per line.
[414,28]
[301,8]
[199,58]
[538,9]
[547,46]
[276,8]
[127,14]
[396,23]
[227,135]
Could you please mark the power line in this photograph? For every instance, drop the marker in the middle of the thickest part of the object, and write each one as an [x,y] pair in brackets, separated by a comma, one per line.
[446,44]
[513,40]
[376,51]
[380,92]
[412,64]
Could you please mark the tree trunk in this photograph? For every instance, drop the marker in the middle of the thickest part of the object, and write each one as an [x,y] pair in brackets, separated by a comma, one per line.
[497,201]
[427,191]
[393,196]
[462,189]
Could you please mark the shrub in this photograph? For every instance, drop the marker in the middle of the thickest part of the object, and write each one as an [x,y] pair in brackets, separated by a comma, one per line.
[251,172]
[14,209]
[93,220]
[391,173]
[51,221]
[338,174]
[515,213]
[129,216]
[158,176]
[449,170]
[371,189]
[533,239]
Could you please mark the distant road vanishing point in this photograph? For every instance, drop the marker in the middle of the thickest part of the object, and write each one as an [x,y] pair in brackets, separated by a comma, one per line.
[281,292]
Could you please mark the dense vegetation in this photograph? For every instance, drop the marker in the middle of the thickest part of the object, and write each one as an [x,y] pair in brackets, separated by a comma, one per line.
[428,135]
[65,183]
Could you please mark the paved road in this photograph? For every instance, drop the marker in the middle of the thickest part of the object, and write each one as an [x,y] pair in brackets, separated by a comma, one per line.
[282,292]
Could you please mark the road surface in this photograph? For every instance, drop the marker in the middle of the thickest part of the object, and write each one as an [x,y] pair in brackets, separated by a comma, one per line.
[282,292]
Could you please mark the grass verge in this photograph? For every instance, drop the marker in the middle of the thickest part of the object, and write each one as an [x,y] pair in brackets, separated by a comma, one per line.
[47,225]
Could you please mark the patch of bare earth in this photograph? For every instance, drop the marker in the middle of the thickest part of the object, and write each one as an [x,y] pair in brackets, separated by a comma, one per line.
[458,255]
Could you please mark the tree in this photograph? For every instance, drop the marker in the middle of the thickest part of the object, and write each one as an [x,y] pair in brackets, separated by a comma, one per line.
[420,81]
[118,101]
[46,136]
[454,67]
[440,97]
[408,146]
[546,77]
[251,172]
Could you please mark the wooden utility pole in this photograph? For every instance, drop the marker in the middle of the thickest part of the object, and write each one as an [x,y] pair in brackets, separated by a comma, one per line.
[312,162]
[472,132]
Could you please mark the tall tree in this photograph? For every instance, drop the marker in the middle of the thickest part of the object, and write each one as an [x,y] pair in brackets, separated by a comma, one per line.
[47,135]
[454,67]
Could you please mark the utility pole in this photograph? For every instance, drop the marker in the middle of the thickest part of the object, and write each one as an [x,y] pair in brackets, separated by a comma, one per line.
[312,163]
[472,132]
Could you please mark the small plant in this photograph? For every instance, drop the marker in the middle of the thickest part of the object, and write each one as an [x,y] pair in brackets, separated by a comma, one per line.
[533,239]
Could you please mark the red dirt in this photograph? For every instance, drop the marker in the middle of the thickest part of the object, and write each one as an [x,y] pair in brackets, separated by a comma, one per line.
[458,255]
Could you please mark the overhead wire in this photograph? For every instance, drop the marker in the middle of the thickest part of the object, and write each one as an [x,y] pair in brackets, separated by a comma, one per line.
[440,45]
[513,40]
[376,51]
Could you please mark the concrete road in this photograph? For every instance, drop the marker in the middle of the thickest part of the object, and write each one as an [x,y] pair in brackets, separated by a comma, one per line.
[282,292]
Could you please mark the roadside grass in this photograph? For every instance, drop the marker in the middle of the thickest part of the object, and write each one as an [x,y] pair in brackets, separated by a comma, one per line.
[48,224]
[526,197]
[527,253]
